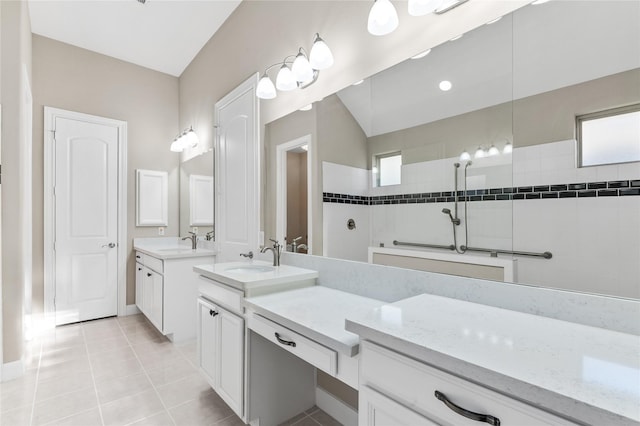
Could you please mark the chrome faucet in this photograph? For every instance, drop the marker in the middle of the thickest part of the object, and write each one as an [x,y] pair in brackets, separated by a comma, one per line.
[248,255]
[276,250]
[194,240]
[209,236]
[302,247]
[294,244]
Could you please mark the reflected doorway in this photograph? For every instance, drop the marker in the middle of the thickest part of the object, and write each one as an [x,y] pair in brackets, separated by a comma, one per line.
[293,194]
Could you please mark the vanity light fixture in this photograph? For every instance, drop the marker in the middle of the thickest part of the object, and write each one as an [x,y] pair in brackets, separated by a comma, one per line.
[304,70]
[480,153]
[493,151]
[508,148]
[187,139]
[445,85]
[383,18]
[421,55]
[465,156]
[423,7]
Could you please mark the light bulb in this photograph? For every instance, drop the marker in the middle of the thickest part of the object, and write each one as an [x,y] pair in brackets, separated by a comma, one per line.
[383,18]
[285,80]
[192,139]
[508,148]
[465,156]
[175,146]
[422,7]
[320,56]
[301,68]
[265,89]
[493,151]
[480,153]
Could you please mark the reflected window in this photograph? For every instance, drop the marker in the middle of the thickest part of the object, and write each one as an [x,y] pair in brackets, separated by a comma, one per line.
[388,169]
[609,137]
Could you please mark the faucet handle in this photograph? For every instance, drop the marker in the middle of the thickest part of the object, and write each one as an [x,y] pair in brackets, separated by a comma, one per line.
[275,242]
[297,239]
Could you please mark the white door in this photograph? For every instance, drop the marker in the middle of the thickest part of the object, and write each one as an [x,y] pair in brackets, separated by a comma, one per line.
[86,220]
[238,171]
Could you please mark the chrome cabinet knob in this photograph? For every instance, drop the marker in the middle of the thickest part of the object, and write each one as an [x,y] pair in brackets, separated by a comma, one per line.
[110,245]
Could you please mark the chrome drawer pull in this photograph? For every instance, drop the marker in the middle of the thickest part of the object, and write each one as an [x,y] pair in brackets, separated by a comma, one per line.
[466,413]
[213,313]
[285,342]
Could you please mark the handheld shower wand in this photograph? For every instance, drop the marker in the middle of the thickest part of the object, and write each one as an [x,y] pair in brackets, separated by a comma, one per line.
[454,220]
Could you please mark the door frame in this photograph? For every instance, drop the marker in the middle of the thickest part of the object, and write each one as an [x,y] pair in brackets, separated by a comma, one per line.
[249,85]
[50,115]
[281,187]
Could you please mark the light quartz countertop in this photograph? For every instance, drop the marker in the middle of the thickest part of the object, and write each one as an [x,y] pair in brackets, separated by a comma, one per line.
[238,274]
[169,248]
[586,373]
[316,312]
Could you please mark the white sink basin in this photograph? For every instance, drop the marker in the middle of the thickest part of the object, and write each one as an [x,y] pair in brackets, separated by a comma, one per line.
[250,269]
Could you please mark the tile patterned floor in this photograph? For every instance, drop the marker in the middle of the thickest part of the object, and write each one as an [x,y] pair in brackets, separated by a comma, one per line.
[117,371]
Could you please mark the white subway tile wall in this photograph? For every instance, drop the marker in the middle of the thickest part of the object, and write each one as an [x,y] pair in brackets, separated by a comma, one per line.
[541,202]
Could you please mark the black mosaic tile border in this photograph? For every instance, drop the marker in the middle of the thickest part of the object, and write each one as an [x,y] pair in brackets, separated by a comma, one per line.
[618,188]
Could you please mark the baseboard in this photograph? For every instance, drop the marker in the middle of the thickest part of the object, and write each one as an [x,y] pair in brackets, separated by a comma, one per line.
[12,370]
[131,310]
[336,408]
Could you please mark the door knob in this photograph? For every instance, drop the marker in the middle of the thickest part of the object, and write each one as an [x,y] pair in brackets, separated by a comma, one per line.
[110,245]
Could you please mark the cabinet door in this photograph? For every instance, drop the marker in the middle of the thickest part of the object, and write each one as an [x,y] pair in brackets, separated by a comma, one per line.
[147,291]
[207,340]
[378,410]
[157,300]
[139,285]
[231,356]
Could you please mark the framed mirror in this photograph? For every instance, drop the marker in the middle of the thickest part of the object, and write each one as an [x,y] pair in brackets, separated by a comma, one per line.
[385,154]
[197,194]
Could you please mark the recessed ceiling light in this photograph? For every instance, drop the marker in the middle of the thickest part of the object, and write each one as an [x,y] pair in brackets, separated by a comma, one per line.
[537,2]
[306,107]
[421,55]
[445,85]
[357,83]
[494,21]
[458,37]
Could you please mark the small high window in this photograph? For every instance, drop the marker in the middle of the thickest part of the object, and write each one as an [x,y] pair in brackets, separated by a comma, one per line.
[609,137]
[389,167]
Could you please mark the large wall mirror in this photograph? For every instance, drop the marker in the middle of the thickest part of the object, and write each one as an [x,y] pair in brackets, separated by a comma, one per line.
[197,194]
[478,146]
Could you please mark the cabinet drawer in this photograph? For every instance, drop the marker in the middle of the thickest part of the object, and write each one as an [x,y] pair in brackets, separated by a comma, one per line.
[221,294]
[154,264]
[140,257]
[414,384]
[314,353]
[378,410]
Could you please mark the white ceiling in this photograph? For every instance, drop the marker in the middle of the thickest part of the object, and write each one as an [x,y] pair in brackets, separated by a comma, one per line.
[536,49]
[164,35]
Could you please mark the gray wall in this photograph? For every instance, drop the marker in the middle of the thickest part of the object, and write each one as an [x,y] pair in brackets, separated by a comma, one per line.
[15,39]
[75,79]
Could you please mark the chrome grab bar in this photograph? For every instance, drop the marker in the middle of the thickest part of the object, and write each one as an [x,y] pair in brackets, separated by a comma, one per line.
[494,252]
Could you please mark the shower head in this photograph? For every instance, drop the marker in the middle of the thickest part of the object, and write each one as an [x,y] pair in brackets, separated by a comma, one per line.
[454,220]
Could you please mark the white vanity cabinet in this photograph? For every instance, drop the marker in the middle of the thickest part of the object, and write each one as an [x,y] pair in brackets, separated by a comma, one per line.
[399,390]
[221,351]
[166,293]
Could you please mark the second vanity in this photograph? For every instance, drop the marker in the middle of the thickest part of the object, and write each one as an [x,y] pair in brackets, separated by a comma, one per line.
[425,359]
[166,286]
